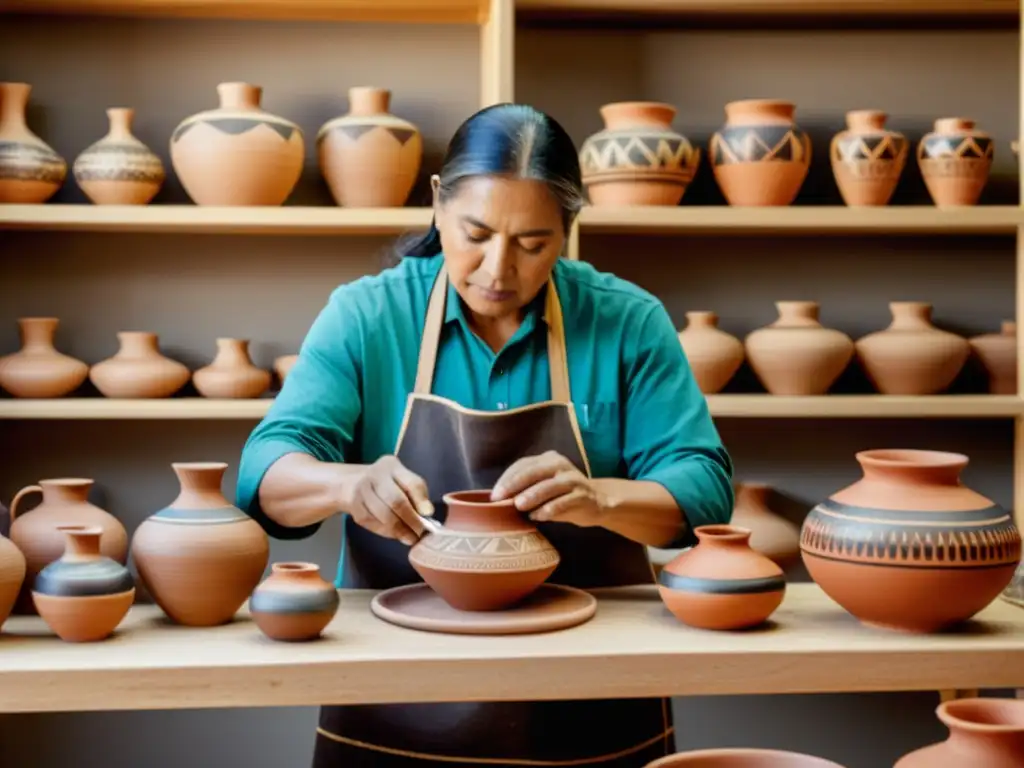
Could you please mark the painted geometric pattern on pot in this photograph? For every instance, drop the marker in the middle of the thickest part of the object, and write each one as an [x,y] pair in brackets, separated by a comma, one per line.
[760,143]
[356,132]
[670,154]
[487,551]
[957,147]
[235,126]
[30,162]
[878,147]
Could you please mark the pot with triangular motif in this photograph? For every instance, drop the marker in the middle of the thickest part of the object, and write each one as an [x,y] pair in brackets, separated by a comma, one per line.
[955,161]
[867,158]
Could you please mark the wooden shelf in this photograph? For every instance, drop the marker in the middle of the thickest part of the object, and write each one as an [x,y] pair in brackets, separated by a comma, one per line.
[90,408]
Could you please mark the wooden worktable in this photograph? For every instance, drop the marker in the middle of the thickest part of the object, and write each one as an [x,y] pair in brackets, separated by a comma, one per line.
[633,647]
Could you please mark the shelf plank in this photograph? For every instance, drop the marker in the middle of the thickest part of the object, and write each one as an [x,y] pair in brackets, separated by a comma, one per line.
[96,408]
[785,8]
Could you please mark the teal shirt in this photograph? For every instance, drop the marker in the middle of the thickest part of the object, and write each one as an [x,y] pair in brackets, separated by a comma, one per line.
[640,411]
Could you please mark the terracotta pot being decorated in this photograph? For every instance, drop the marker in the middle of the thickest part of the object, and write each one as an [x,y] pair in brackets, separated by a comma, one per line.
[955,161]
[232,373]
[369,157]
[713,354]
[238,154]
[983,733]
[760,157]
[12,576]
[637,159]
[30,170]
[294,603]
[138,369]
[488,556]
[772,535]
[38,370]
[908,546]
[867,158]
[200,557]
[119,169]
[997,353]
[741,758]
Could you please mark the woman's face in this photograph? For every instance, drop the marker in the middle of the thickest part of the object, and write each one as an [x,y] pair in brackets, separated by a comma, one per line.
[501,238]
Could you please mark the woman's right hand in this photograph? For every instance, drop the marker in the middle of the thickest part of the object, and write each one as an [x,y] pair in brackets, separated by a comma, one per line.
[389,499]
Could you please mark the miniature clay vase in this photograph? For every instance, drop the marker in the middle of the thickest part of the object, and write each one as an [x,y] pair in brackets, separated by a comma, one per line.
[83,596]
[12,576]
[638,159]
[773,536]
[368,157]
[232,373]
[912,356]
[38,370]
[867,158]
[997,353]
[760,157]
[487,557]
[796,354]
[30,170]
[713,354]
[65,502]
[983,733]
[119,169]
[284,364]
[238,154]
[138,369]
[741,757]
[200,557]
[294,603]
[908,546]
[955,161]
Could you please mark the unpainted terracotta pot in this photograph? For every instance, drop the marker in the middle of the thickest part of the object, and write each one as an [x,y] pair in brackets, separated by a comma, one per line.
[488,556]
[983,733]
[741,758]
[638,159]
[38,370]
[284,364]
[138,369]
[772,535]
[119,169]
[867,158]
[294,603]
[908,531]
[30,170]
[955,161]
[997,353]
[12,576]
[232,373]
[713,354]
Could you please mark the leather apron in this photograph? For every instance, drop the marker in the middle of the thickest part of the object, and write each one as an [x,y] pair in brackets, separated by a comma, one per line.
[454,448]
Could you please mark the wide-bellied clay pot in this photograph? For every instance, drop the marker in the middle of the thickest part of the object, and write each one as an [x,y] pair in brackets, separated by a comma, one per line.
[369,157]
[908,546]
[12,576]
[741,757]
[721,583]
[488,556]
[713,354]
[238,154]
[38,370]
[139,369]
[955,161]
[200,557]
[997,353]
[912,356]
[983,733]
[760,156]
[83,595]
[868,158]
[119,169]
[294,603]
[30,170]
[796,354]
[637,159]
[772,535]
[232,373]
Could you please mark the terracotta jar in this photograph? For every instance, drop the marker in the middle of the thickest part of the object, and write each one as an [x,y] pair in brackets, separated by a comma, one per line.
[488,556]
[713,354]
[773,536]
[12,576]
[867,158]
[912,356]
[30,170]
[232,373]
[983,733]
[201,557]
[83,595]
[796,354]
[997,353]
[721,583]
[119,169]
[368,157]
[908,531]
[955,160]
[284,364]
[38,370]
[638,159]
[741,757]
[139,370]
[65,502]
[238,154]
[294,603]
[760,157]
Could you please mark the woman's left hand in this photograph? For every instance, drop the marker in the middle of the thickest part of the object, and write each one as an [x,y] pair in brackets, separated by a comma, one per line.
[551,488]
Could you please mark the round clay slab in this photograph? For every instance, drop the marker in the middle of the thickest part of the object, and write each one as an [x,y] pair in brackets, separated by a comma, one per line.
[551,607]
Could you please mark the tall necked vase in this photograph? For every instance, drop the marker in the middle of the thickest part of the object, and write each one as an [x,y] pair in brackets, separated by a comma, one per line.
[119,169]
[955,161]
[30,170]
[38,370]
[868,158]
[983,733]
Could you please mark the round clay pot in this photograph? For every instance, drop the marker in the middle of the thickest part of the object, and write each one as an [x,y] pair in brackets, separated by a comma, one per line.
[796,354]
[201,557]
[119,169]
[741,758]
[12,576]
[38,370]
[284,364]
[138,369]
[637,159]
[867,158]
[907,531]
[912,356]
[997,353]
[760,157]
[955,160]
[983,733]
[232,373]
[30,171]
[773,536]
[238,154]
[368,157]
[721,583]
[713,354]
[294,603]
[83,595]
[488,556]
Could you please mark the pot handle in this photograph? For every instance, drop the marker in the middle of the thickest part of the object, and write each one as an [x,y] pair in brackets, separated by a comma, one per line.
[20,495]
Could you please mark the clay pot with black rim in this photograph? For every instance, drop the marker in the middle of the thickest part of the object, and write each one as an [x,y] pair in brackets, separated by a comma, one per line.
[983,733]
[997,353]
[38,370]
[30,170]
[119,169]
[139,369]
[294,603]
[741,757]
[232,373]
[955,160]
[713,354]
[868,158]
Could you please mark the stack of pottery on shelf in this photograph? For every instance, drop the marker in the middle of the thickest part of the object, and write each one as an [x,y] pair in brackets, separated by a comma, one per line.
[30,170]
[119,169]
